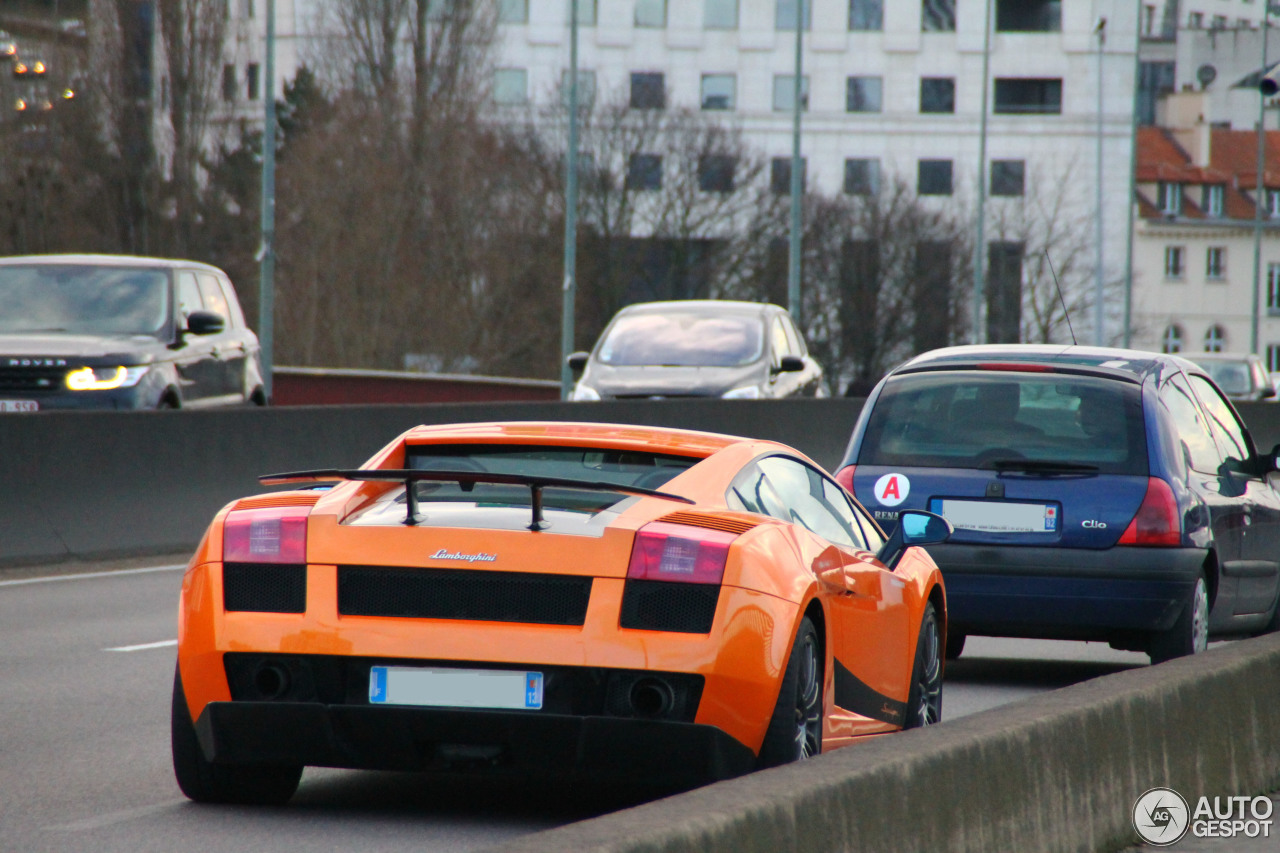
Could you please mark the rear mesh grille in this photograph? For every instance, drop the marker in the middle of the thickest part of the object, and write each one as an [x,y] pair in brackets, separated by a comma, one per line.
[264,587]
[461,594]
[663,606]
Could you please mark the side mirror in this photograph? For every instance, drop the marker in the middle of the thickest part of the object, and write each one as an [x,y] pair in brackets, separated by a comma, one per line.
[577,360]
[1273,460]
[1268,392]
[205,323]
[790,364]
[915,527]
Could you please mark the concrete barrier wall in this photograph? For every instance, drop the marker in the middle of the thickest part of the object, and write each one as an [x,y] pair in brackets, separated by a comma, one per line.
[81,485]
[1057,772]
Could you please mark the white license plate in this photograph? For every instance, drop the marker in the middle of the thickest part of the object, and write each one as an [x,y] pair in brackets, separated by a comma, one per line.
[455,688]
[999,516]
[19,406]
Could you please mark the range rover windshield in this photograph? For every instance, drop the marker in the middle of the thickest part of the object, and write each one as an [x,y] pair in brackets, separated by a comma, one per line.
[683,339]
[1057,423]
[83,300]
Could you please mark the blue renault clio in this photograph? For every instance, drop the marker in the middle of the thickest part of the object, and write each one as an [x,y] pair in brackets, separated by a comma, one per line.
[1096,494]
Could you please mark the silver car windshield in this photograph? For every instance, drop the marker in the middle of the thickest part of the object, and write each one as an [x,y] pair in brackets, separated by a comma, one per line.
[76,299]
[683,339]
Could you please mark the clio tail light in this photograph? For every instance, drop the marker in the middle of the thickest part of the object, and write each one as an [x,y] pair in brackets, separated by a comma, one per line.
[1156,522]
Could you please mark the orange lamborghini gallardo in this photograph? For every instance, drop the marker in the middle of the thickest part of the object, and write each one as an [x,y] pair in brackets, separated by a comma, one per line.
[550,598]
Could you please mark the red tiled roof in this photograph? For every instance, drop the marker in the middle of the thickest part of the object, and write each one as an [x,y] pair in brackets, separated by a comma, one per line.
[1233,157]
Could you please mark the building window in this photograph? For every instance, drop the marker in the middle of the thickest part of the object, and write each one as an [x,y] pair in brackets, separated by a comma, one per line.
[1215,339]
[251,81]
[715,173]
[246,8]
[720,15]
[228,82]
[1028,16]
[719,91]
[938,16]
[864,95]
[1273,202]
[1169,198]
[780,175]
[1028,95]
[1213,195]
[1215,262]
[866,15]
[1195,20]
[651,13]
[1174,262]
[586,12]
[1219,22]
[644,172]
[785,15]
[937,94]
[511,86]
[1148,20]
[861,176]
[1008,177]
[648,91]
[513,11]
[933,177]
[586,88]
[784,92]
[1273,358]
[1273,288]
[1171,341]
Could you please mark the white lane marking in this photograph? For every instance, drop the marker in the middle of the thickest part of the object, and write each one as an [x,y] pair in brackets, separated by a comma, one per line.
[111,818]
[86,575]
[143,646]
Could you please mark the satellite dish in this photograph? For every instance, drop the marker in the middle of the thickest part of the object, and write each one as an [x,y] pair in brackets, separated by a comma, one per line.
[1206,74]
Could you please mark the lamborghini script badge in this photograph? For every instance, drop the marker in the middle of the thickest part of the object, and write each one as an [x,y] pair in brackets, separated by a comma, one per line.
[445,554]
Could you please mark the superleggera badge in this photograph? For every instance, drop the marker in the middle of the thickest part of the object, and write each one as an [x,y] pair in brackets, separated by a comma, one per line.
[445,554]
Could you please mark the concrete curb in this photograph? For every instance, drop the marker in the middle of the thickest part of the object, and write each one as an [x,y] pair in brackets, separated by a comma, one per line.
[1057,772]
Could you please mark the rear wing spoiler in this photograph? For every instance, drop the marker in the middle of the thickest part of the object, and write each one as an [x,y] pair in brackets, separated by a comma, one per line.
[466,480]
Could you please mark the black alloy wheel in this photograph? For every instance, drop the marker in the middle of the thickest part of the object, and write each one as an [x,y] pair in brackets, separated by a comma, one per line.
[795,729]
[206,782]
[924,699]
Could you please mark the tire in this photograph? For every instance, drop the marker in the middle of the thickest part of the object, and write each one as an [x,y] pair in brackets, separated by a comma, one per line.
[1190,633]
[924,699]
[955,645]
[795,729]
[205,782]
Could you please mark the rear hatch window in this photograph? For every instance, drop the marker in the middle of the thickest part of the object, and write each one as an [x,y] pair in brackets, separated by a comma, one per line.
[1001,419]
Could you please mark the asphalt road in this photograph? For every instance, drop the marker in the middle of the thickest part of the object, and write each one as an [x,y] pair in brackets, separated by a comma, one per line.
[87,666]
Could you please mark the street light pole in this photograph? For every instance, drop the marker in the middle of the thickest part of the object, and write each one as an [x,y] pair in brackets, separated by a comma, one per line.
[794,247]
[267,252]
[570,213]
[1260,191]
[1099,300]
[979,249]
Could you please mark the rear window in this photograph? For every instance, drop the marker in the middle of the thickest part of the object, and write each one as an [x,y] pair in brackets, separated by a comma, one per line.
[985,419]
[624,467]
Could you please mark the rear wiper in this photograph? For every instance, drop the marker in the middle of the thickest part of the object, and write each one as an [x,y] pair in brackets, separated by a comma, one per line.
[409,476]
[1047,466]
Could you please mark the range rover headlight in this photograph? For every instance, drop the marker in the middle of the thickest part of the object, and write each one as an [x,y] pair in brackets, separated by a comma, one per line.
[105,378]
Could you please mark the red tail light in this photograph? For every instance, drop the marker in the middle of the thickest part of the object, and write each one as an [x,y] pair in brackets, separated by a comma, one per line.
[845,477]
[275,534]
[1156,522]
[674,552]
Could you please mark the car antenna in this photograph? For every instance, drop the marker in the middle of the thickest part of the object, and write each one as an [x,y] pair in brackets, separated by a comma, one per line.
[1058,286]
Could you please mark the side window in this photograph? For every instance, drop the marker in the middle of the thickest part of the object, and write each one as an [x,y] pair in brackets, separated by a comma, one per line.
[1192,429]
[804,491]
[778,341]
[212,294]
[188,295]
[1223,423]
[236,317]
[794,338]
[752,491]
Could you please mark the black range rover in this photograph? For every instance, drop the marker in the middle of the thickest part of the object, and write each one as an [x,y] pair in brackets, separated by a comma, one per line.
[120,332]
